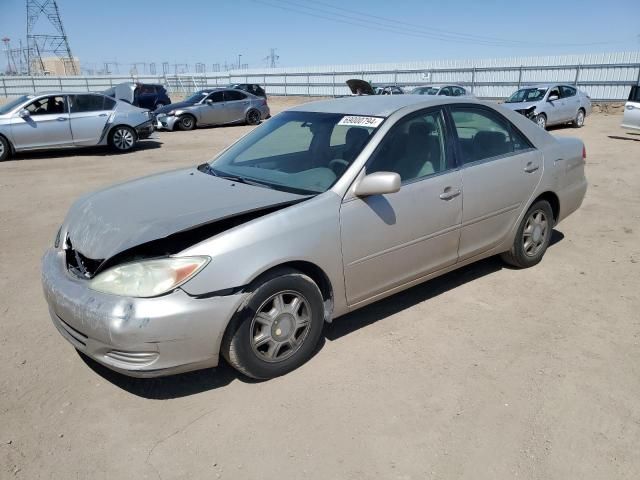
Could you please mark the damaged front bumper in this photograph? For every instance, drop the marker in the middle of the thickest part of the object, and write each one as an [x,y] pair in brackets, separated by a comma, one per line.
[140,337]
[166,122]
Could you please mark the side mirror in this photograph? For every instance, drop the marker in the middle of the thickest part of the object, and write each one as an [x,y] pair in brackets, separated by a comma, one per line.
[209,101]
[552,98]
[24,113]
[378,183]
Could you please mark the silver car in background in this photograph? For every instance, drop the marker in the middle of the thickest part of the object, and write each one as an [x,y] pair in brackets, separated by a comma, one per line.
[323,209]
[551,104]
[218,106]
[631,116]
[446,90]
[67,120]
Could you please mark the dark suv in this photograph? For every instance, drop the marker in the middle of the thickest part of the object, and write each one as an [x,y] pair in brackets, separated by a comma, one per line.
[151,96]
[251,88]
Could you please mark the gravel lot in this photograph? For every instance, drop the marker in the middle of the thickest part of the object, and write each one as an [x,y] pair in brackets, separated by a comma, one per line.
[485,373]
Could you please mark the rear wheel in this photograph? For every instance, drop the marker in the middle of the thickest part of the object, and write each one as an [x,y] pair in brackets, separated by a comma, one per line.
[5,149]
[578,122]
[541,120]
[253,117]
[122,138]
[187,122]
[532,237]
[278,327]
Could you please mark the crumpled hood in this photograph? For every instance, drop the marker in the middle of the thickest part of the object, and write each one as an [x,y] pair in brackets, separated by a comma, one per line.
[520,105]
[173,106]
[102,224]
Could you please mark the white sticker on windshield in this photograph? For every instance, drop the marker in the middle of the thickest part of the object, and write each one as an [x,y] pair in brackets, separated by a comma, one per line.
[358,121]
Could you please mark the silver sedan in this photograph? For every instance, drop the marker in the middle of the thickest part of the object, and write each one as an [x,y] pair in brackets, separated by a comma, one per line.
[218,106]
[68,120]
[551,104]
[326,208]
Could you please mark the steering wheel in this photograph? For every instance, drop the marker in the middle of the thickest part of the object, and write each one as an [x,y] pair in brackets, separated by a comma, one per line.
[338,165]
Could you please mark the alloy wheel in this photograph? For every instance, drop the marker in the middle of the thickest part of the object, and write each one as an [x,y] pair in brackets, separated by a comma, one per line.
[254,117]
[280,326]
[541,121]
[534,234]
[187,122]
[123,139]
[2,151]
[580,118]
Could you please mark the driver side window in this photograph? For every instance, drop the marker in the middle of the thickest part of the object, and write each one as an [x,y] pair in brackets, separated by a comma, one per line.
[215,97]
[47,106]
[414,149]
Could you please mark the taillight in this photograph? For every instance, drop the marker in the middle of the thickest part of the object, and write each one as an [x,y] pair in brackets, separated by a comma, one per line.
[584,154]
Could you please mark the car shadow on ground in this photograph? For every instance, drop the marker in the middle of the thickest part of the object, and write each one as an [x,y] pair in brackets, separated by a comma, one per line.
[185,384]
[102,151]
[616,137]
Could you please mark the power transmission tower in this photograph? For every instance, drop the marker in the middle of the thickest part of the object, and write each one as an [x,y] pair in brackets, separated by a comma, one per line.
[11,63]
[272,58]
[56,43]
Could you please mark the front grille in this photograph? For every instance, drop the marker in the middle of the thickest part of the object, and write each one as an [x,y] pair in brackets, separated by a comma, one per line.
[81,266]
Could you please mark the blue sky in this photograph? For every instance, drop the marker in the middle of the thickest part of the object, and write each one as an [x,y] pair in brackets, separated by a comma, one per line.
[331,31]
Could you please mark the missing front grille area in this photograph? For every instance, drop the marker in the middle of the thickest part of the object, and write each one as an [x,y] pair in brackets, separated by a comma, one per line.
[79,265]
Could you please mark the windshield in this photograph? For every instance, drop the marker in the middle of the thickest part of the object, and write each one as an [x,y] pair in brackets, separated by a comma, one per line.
[196,97]
[298,152]
[7,107]
[527,95]
[425,91]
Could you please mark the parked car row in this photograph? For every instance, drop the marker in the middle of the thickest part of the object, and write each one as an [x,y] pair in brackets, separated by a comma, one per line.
[545,104]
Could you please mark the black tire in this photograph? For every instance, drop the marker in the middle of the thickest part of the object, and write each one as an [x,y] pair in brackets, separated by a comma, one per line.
[253,117]
[122,138]
[578,122]
[186,122]
[522,256]
[541,121]
[5,149]
[239,345]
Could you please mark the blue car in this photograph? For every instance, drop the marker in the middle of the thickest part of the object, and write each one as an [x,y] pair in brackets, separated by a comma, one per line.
[143,95]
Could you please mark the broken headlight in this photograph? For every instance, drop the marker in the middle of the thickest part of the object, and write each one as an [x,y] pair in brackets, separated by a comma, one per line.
[148,278]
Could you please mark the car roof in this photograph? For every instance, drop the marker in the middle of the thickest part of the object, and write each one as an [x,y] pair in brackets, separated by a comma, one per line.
[376,105]
[546,85]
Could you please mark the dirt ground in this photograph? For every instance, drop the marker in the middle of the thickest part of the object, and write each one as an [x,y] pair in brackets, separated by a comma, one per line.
[485,373]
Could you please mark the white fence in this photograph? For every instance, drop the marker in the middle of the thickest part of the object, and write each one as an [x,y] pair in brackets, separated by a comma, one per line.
[606,76]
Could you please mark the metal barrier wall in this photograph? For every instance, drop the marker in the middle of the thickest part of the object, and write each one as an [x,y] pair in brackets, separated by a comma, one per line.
[602,81]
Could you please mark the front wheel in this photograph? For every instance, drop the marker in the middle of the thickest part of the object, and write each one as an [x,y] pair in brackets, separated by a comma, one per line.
[541,121]
[5,149]
[122,138]
[532,237]
[187,122]
[278,327]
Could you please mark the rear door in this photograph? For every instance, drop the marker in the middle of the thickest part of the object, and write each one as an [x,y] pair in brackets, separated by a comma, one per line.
[236,104]
[631,117]
[500,171]
[89,114]
[47,124]
[571,102]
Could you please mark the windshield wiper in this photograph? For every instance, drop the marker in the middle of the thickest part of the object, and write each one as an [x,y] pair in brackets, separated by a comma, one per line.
[206,168]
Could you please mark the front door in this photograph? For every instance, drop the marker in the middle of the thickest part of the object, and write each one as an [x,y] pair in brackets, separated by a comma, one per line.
[89,114]
[554,109]
[211,111]
[501,169]
[46,125]
[390,240]
[631,117]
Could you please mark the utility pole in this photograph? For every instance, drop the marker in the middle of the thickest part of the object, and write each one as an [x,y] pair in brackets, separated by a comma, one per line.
[39,44]
[272,58]
[239,57]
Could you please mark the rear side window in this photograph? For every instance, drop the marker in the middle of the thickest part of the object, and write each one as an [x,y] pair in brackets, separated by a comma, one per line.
[88,103]
[232,95]
[109,103]
[483,134]
[567,91]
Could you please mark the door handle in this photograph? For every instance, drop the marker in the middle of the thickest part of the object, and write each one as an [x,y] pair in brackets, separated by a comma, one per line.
[102,115]
[630,107]
[530,168]
[449,194]
[61,119]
